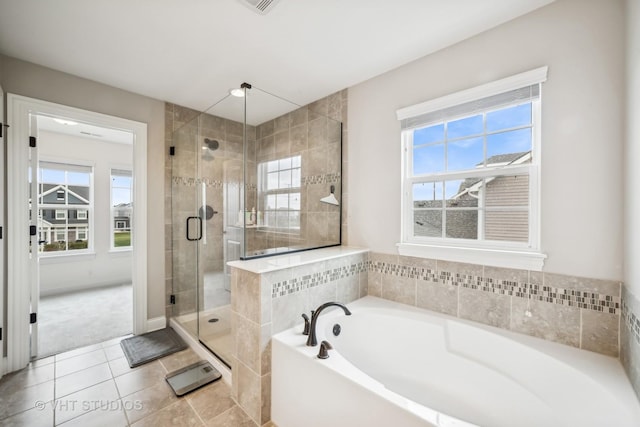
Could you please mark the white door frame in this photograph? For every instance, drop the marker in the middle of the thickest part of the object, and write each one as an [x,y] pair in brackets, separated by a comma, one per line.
[4,234]
[19,109]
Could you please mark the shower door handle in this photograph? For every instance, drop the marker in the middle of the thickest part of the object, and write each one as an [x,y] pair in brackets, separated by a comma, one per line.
[189,218]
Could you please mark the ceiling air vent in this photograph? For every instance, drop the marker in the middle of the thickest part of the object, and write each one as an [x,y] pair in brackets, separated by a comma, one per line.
[260,6]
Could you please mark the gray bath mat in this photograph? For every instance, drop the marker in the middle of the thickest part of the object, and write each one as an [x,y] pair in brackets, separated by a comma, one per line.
[151,346]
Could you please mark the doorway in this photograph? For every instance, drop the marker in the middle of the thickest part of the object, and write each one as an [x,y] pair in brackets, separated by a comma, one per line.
[83,252]
[59,218]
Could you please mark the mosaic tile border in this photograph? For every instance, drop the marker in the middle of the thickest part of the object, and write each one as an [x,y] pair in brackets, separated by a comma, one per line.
[192,182]
[554,295]
[297,284]
[631,320]
[327,178]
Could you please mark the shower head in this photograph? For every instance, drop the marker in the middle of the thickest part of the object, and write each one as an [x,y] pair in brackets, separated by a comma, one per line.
[211,144]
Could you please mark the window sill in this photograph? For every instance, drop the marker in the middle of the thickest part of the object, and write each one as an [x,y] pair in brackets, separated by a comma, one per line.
[533,261]
[116,251]
[62,258]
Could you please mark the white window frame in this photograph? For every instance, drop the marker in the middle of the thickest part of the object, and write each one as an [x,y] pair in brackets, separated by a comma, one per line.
[82,214]
[500,254]
[88,208]
[112,223]
[264,193]
[61,214]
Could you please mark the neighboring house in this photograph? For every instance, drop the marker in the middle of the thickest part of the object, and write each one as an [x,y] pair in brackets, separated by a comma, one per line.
[498,225]
[122,217]
[69,222]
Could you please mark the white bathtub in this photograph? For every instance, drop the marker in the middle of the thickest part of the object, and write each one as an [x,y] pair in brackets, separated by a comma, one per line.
[395,365]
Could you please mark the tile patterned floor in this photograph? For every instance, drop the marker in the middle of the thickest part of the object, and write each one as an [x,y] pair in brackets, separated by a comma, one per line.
[94,386]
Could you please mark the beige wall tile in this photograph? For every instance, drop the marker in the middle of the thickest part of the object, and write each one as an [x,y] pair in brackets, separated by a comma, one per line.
[399,289]
[436,296]
[600,332]
[249,391]
[551,322]
[247,338]
[484,307]
[374,284]
[245,295]
[630,357]
[606,287]
[265,410]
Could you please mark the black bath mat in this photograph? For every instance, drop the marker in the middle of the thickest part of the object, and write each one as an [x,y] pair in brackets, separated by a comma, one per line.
[144,348]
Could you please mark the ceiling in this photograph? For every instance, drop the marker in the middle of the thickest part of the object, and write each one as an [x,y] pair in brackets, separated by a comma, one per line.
[191,52]
[84,130]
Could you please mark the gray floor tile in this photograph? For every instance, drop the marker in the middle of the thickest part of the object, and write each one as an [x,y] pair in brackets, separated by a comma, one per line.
[80,362]
[100,397]
[82,379]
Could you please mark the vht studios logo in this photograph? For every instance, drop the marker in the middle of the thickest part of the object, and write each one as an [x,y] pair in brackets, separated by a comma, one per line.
[90,405]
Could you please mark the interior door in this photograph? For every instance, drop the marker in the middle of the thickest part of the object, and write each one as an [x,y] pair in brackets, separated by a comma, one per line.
[34,271]
[3,274]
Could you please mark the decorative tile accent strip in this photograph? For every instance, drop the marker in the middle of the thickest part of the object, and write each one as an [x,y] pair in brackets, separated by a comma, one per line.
[569,297]
[327,178]
[631,320]
[308,281]
[192,182]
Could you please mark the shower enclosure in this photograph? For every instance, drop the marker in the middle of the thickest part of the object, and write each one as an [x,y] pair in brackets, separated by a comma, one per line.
[252,176]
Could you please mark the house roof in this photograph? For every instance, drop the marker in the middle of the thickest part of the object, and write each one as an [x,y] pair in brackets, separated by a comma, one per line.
[81,193]
[472,184]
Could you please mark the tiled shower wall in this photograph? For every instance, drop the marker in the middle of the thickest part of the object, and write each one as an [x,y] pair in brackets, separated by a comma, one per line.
[314,133]
[223,168]
[575,311]
[300,131]
[630,337]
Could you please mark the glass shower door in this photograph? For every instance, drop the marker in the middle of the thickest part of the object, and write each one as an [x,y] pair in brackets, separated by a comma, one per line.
[185,226]
[205,191]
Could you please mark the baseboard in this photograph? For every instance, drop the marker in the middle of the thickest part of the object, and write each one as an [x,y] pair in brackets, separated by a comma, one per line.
[73,289]
[156,323]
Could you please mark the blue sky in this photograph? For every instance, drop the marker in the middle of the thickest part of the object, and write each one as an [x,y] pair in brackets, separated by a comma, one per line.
[464,146]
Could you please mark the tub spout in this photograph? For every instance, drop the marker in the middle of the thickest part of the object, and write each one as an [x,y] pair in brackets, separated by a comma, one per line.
[311,340]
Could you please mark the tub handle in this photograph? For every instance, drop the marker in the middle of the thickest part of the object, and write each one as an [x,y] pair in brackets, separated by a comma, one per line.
[324,350]
[306,324]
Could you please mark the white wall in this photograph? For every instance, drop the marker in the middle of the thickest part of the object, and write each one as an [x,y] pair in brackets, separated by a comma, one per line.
[582,43]
[23,78]
[106,267]
[632,151]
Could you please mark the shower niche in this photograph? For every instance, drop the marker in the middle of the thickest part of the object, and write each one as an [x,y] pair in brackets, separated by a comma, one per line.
[252,176]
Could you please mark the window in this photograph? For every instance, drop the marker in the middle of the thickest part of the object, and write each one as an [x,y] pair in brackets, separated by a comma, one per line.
[279,196]
[471,168]
[64,204]
[61,236]
[121,208]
